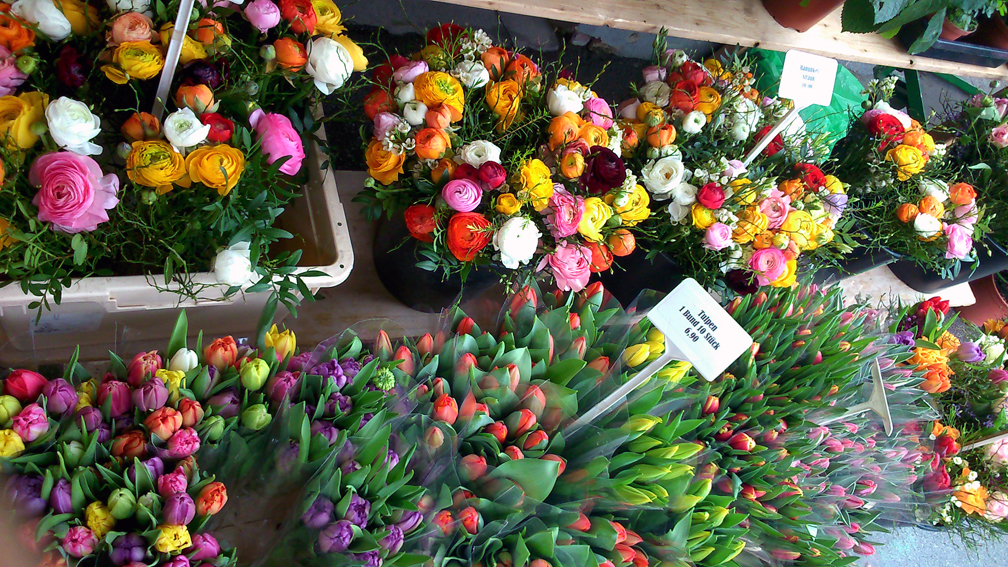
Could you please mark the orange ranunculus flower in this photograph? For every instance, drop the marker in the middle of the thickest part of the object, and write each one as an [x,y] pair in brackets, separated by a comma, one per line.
[141,126]
[907,212]
[431,143]
[973,501]
[594,135]
[751,223]
[661,136]
[13,35]
[438,117]
[931,206]
[218,167]
[504,98]
[708,100]
[794,188]
[211,499]
[443,170]
[948,343]
[197,97]
[937,379]
[938,430]
[913,138]
[290,53]
[383,165]
[633,133]
[208,30]
[763,239]
[992,326]
[495,60]
[928,356]
[962,194]
[301,15]
[467,235]
[521,69]
[572,165]
[564,129]
[434,87]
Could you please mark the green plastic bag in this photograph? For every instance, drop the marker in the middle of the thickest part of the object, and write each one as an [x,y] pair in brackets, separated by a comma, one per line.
[833,119]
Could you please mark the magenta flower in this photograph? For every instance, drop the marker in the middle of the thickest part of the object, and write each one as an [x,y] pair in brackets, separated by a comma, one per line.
[73,195]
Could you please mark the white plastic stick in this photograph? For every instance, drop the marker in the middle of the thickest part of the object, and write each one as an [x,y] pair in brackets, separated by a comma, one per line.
[986,441]
[777,129]
[172,57]
[621,392]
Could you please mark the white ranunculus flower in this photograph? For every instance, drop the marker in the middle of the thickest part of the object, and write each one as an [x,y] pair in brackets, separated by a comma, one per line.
[693,122]
[142,6]
[479,152]
[936,188]
[516,240]
[657,93]
[678,57]
[561,99]
[233,265]
[472,74]
[926,226]
[415,112]
[73,126]
[684,194]
[44,14]
[746,111]
[405,93]
[678,212]
[183,360]
[183,130]
[628,110]
[739,129]
[660,177]
[329,63]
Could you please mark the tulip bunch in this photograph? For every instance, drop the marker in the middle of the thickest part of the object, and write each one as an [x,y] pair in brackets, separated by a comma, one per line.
[104,469]
[477,145]
[227,158]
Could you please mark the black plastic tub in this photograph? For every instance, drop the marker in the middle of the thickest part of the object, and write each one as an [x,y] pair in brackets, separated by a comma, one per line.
[632,274]
[926,281]
[859,260]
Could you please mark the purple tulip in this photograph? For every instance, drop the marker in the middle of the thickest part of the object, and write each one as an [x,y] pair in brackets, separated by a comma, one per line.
[336,537]
[350,368]
[298,362]
[123,423]
[128,548]
[337,401]
[226,404]
[358,511]
[350,467]
[59,497]
[61,398]
[201,72]
[409,521]
[25,492]
[347,452]
[287,457]
[104,432]
[154,465]
[204,546]
[369,559]
[331,371]
[179,509]
[179,561]
[91,416]
[320,513]
[366,418]
[152,395]
[283,385]
[970,352]
[391,459]
[325,429]
[120,394]
[393,541]
[905,338]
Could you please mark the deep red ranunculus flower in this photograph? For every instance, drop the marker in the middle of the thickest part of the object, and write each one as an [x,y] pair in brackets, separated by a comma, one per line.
[812,177]
[221,129]
[775,145]
[604,170]
[887,128]
[71,68]
[445,36]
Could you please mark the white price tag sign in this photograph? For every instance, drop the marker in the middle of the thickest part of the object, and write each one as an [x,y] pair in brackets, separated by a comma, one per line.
[700,329]
[807,79]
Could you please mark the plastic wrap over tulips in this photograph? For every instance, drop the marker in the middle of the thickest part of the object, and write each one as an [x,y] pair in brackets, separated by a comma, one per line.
[460,447]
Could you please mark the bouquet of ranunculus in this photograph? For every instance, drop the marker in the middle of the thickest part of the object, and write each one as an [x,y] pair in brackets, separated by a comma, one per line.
[475,146]
[97,185]
[105,470]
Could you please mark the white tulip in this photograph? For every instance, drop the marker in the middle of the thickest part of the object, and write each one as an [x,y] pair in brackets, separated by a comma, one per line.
[233,265]
[517,241]
[73,126]
[183,360]
[44,14]
[184,130]
[329,63]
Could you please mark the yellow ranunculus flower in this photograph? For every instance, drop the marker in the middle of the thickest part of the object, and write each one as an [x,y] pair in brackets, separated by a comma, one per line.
[832,184]
[360,62]
[283,343]
[708,100]
[716,69]
[800,227]
[172,539]
[744,191]
[136,60]
[155,163]
[191,49]
[218,167]
[594,135]
[17,116]
[82,20]
[5,238]
[504,99]
[535,185]
[11,444]
[436,57]
[824,235]
[329,19]
[636,208]
[99,519]
[596,213]
[751,222]
[928,142]
[908,159]
[383,165]
[650,113]
[507,204]
[434,87]
[789,276]
[173,380]
[702,216]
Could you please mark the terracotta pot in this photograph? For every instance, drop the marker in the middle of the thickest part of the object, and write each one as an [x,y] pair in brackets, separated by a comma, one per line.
[992,32]
[989,303]
[952,32]
[792,14]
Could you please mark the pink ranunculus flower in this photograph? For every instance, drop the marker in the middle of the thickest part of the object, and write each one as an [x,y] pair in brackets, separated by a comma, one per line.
[768,264]
[462,195]
[263,14]
[977,100]
[279,139]
[570,264]
[869,116]
[1001,106]
[31,423]
[998,452]
[131,26]
[385,122]
[654,73]
[997,507]
[628,108]
[966,215]
[73,195]
[10,76]
[776,208]
[598,112]
[717,236]
[410,71]
[998,137]
[960,241]
[564,212]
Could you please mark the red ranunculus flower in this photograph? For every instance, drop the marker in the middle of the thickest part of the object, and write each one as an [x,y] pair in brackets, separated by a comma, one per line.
[711,196]
[445,36]
[420,222]
[775,145]
[604,170]
[694,72]
[468,233]
[221,128]
[684,96]
[301,15]
[887,128]
[812,177]
[383,73]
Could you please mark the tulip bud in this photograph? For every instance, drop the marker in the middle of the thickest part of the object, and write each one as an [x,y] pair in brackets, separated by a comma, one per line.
[525,296]
[520,422]
[465,362]
[183,360]
[533,400]
[434,437]
[711,405]
[73,451]
[383,345]
[254,374]
[641,423]
[212,429]
[582,524]
[471,520]
[122,504]
[256,417]
[536,441]
[10,407]
[425,345]
[473,467]
[445,409]
[498,430]
[408,366]
[514,453]
[445,522]
[465,326]
[559,460]
[601,364]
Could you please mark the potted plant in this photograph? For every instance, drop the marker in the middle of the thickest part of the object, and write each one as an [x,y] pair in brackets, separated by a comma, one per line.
[993,31]
[800,14]
[948,19]
[958,23]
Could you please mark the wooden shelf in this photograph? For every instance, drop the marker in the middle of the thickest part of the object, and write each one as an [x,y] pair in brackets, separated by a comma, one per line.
[743,22]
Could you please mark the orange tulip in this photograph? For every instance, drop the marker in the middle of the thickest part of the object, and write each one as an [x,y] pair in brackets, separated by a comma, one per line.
[211,499]
[431,143]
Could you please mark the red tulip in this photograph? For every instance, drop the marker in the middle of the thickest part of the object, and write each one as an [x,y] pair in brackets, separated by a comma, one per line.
[536,440]
[465,326]
[471,520]
[558,459]
[533,400]
[514,376]
[445,409]
[601,364]
[526,295]
[445,521]
[403,353]
[632,538]
[582,524]
[425,345]
[24,385]
[625,551]
[514,453]
[741,442]
[465,362]
[460,496]
[724,433]
[473,467]
[575,321]
[468,409]
[498,430]
[439,387]
[711,405]
[579,347]
[520,422]
[620,531]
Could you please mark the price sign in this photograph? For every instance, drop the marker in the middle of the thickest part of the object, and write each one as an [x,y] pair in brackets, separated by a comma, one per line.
[698,328]
[807,79]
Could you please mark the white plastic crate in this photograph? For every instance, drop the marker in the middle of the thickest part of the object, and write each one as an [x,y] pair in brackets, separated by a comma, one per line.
[103,313]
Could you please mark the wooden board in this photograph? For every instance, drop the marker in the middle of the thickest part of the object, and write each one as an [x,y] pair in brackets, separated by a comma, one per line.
[743,22]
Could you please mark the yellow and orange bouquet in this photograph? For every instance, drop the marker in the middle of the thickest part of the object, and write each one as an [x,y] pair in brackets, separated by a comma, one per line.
[94,183]
[476,145]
